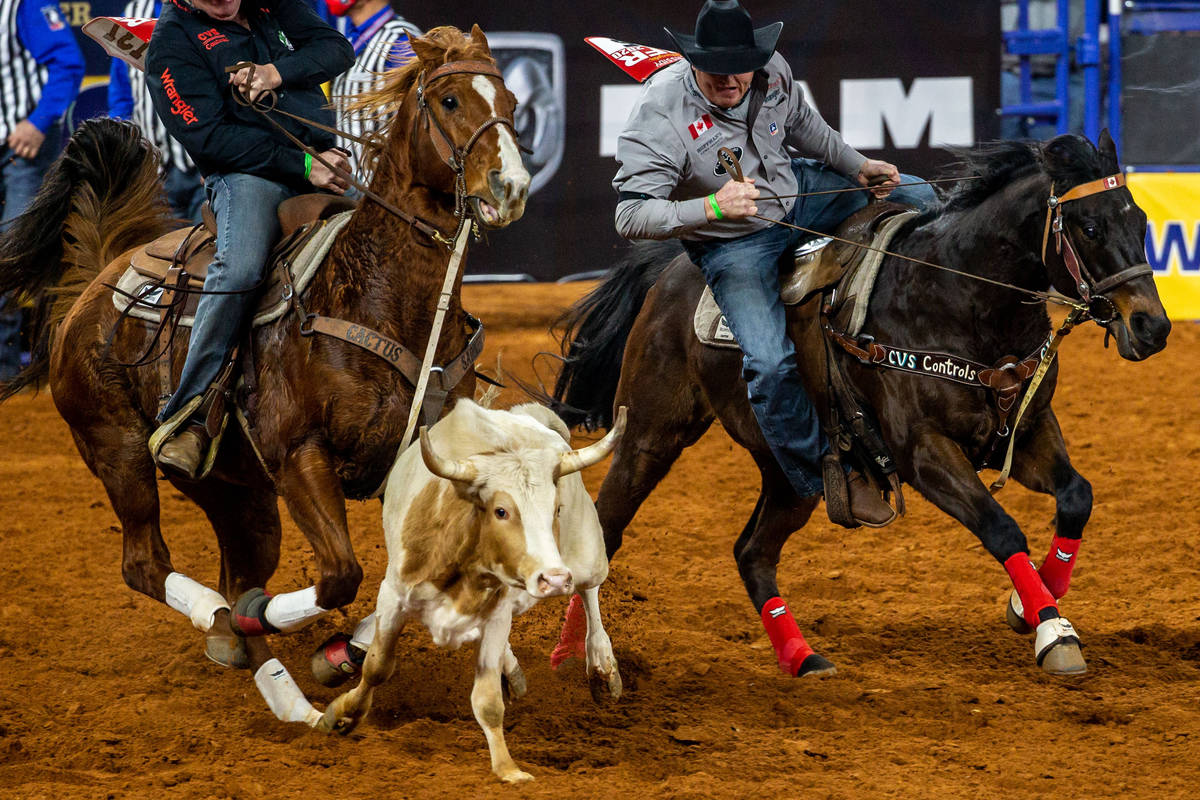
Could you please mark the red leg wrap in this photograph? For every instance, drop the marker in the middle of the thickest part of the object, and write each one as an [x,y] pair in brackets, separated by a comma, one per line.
[574,631]
[1060,561]
[1028,583]
[785,635]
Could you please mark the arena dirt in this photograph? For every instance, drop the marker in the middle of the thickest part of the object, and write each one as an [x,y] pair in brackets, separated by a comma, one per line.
[106,694]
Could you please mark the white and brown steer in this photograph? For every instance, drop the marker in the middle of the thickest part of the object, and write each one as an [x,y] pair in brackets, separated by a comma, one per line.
[485,518]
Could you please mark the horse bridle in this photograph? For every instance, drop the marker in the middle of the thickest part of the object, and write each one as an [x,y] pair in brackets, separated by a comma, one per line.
[1091,291]
[451,154]
[445,147]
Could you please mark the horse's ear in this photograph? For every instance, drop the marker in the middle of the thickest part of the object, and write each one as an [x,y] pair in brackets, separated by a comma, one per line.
[1108,152]
[477,37]
[1058,154]
[427,51]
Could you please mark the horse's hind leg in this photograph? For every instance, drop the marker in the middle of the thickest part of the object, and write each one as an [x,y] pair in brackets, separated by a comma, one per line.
[246,522]
[1040,462]
[778,513]
[118,455]
[941,472]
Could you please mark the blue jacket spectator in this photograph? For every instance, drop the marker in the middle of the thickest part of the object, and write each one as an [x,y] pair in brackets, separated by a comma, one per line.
[40,69]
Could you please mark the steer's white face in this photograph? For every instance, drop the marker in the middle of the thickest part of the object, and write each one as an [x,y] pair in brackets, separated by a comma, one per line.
[518,503]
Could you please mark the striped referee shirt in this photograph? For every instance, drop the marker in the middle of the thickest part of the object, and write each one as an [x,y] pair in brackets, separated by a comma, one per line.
[380,43]
[40,65]
[128,98]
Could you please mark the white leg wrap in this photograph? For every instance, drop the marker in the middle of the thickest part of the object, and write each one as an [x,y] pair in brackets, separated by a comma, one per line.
[283,696]
[1050,633]
[364,634]
[194,600]
[292,611]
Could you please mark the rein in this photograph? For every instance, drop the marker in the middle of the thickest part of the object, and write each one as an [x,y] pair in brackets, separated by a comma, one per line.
[452,155]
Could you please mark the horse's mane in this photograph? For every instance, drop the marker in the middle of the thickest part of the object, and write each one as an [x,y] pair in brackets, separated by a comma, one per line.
[382,102]
[1069,160]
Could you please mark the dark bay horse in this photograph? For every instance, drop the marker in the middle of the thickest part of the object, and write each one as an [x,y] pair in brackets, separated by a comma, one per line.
[329,415]
[631,342]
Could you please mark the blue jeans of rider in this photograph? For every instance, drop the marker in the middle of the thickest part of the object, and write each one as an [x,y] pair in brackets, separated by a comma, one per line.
[20,180]
[244,206]
[744,276]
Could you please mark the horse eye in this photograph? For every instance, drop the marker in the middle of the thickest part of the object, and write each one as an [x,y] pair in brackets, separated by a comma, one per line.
[501,512]
[1091,231]
[450,102]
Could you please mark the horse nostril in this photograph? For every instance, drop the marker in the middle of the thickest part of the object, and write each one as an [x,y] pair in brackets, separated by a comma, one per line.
[501,187]
[1151,329]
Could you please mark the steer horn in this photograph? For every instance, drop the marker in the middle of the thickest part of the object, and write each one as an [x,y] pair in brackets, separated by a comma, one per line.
[446,468]
[593,453]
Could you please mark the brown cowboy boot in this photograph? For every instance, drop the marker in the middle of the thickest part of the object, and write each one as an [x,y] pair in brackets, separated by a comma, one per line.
[867,504]
[184,452]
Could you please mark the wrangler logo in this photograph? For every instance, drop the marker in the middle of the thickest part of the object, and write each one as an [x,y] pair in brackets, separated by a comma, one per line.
[178,106]
[211,38]
[1063,556]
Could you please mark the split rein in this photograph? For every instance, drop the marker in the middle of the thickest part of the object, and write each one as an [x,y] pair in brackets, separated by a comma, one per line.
[452,155]
[1007,377]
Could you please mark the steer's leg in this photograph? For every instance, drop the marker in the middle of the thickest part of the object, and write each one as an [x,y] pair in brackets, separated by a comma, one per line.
[778,513]
[941,472]
[487,699]
[1040,462]
[349,709]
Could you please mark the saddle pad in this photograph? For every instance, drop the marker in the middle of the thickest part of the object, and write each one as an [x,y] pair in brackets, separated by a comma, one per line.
[139,294]
[861,281]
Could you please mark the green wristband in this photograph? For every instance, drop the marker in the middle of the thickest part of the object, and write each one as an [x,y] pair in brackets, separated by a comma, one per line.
[712,201]
[307,165]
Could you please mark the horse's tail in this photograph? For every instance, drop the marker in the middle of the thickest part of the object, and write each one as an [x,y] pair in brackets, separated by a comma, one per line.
[593,334]
[101,197]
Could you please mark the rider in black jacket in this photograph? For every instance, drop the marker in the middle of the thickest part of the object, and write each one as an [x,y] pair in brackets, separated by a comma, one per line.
[249,166]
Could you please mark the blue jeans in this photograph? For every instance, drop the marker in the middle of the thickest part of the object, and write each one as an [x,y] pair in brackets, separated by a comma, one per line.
[247,226]
[20,180]
[744,276]
[185,193]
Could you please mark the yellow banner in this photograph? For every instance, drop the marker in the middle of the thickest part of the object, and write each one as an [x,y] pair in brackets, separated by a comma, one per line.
[1171,200]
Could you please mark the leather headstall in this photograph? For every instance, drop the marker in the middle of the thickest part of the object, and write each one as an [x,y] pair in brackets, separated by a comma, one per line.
[450,153]
[1090,290]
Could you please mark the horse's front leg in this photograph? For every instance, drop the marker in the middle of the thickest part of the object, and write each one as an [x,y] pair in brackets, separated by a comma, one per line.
[313,494]
[1040,462]
[942,473]
[487,698]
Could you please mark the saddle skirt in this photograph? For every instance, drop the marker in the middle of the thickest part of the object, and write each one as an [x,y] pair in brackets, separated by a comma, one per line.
[141,288]
[820,264]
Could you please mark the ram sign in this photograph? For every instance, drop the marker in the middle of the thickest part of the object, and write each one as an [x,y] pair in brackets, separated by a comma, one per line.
[899,80]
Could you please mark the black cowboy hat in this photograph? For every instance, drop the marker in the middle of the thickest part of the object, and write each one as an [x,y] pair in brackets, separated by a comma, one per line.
[726,42]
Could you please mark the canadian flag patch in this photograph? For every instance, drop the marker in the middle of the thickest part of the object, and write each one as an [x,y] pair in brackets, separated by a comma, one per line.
[700,126]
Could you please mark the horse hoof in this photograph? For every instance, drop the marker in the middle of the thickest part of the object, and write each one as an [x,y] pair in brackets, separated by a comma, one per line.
[336,661]
[516,776]
[1058,648]
[816,664]
[333,722]
[227,650]
[1013,615]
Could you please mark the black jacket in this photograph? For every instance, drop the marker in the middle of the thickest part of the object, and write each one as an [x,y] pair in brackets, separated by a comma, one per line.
[185,68]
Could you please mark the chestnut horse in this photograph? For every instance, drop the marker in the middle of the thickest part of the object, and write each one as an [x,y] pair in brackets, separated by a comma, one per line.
[329,415]
[631,343]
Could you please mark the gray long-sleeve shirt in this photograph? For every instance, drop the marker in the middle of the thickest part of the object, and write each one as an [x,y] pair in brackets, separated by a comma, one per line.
[668,152]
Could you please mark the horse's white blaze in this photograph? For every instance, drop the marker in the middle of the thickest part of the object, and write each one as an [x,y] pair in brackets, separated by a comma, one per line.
[511,166]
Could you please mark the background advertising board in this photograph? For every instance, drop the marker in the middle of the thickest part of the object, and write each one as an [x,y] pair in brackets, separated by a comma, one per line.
[1171,201]
[895,80]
